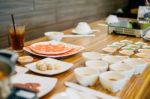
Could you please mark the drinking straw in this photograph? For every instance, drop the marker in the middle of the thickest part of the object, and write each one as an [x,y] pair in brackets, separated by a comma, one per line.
[12,17]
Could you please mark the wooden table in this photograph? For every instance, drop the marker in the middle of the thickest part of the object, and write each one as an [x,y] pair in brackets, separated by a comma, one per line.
[142,85]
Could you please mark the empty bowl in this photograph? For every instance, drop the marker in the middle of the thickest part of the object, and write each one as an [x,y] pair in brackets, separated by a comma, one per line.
[113,81]
[99,65]
[92,55]
[86,76]
[138,64]
[54,35]
[122,68]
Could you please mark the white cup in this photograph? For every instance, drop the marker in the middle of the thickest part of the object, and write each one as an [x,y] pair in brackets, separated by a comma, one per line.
[82,28]
[57,36]
[112,80]
[99,65]
[86,76]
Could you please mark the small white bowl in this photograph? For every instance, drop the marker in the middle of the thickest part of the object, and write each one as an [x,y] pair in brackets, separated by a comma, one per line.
[113,59]
[92,55]
[138,64]
[113,81]
[86,76]
[54,35]
[122,68]
[100,65]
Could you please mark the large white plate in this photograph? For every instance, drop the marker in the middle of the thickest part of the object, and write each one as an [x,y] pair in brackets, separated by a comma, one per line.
[46,83]
[64,66]
[75,49]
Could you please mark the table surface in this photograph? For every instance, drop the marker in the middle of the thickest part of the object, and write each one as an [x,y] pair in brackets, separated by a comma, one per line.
[96,44]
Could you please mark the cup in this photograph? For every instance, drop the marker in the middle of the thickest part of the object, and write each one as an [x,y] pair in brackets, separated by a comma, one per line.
[17,36]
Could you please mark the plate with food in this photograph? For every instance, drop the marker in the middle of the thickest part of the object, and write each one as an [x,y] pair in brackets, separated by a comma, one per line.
[49,66]
[74,50]
[39,84]
[50,47]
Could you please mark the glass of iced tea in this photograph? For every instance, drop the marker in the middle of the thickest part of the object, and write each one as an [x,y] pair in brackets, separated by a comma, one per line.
[17,37]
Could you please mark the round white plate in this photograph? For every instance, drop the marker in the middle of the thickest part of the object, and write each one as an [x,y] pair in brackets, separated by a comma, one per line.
[46,83]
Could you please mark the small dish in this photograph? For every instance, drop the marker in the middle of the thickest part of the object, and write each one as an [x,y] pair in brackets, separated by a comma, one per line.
[112,80]
[25,59]
[140,43]
[122,68]
[126,42]
[86,76]
[92,55]
[118,44]
[134,46]
[138,64]
[62,66]
[126,52]
[113,59]
[142,55]
[110,49]
[100,65]
[144,51]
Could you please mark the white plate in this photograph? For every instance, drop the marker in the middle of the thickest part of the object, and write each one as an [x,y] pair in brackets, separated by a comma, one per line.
[64,66]
[21,70]
[46,83]
[90,32]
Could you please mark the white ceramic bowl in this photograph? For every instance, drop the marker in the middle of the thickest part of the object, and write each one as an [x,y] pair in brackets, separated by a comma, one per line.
[82,28]
[113,81]
[122,68]
[92,55]
[54,35]
[97,64]
[138,64]
[86,76]
[113,59]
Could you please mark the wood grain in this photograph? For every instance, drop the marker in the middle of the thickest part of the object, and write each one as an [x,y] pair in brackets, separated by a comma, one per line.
[137,88]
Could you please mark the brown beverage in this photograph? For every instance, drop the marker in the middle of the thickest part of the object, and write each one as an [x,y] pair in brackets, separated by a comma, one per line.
[17,38]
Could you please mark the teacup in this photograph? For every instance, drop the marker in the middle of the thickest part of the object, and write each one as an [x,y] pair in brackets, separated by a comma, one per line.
[86,76]
[122,68]
[99,65]
[113,81]
[82,28]
[54,35]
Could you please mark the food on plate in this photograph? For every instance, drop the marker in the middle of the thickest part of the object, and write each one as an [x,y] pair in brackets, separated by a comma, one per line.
[110,49]
[126,52]
[133,46]
[143,55]
[50,48]
[126,41]
[44,66]
[140,43]
[25,59]
[119,44]
[28,86]
[146,47]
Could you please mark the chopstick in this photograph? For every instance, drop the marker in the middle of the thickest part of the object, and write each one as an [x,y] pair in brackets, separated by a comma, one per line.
[90,91]
[91,35]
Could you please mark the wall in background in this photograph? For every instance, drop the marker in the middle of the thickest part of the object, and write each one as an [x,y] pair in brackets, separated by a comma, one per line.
[40,16]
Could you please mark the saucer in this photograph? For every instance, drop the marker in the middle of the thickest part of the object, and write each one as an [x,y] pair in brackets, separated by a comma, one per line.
[81,33]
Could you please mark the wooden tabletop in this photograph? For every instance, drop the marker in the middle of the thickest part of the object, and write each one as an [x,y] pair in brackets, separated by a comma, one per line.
[96,44]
